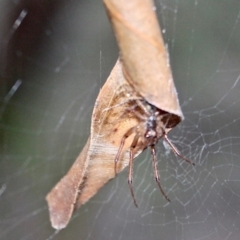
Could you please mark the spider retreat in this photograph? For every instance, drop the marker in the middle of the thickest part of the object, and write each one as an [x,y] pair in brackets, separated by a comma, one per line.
[151,126]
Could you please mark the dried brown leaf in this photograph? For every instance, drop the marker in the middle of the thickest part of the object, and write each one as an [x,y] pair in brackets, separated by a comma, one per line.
[144,80]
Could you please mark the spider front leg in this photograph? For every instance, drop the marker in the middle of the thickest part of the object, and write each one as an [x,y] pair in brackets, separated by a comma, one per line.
[174,149]
[156,173]
[125,136]
[130,172]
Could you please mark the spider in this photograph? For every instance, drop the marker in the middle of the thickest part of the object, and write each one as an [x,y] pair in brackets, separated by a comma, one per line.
[151,128]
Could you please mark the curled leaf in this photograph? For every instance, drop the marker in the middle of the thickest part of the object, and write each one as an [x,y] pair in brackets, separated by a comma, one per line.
[137,106]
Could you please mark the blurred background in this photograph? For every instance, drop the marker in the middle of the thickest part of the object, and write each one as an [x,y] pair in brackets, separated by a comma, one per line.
[54,58]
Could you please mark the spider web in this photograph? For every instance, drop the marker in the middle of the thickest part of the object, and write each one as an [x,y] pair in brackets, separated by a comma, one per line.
[55,56]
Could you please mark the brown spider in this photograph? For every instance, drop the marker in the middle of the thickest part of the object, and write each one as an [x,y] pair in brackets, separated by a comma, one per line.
[147,134]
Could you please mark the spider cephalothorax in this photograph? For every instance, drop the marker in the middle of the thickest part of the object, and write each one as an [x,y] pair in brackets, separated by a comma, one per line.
[152,126]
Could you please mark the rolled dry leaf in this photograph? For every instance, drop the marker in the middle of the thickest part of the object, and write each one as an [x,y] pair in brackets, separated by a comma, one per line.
[147,77]
[143,54]
[94,167]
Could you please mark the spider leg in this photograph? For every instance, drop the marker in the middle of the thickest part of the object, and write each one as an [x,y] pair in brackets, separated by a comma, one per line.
[122,103]
[174,149]
[141,105]
[125,136]
[130,173]
[156,173]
